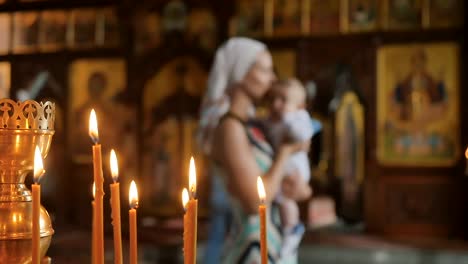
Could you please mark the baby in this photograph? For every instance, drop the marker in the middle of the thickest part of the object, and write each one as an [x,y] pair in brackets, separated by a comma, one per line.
[289,120]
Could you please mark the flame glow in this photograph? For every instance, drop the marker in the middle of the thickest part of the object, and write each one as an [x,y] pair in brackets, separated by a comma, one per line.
[261,189]
[133,195]
[185,198]
[93,127]
[94,190]
[38,165]
[466,153]
[114,166]
[192,178]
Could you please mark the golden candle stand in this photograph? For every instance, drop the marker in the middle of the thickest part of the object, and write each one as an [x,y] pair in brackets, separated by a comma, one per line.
[23,125]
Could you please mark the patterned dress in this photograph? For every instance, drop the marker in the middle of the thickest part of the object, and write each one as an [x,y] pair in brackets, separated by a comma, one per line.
[243,243]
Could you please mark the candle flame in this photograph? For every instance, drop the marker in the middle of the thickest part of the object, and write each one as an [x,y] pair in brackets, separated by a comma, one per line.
[133,195]
[93,127]
[192,178]
[114,165]
[466,153]
[261,189]
[94,190]
[38,165]
[185,198]
[14,217]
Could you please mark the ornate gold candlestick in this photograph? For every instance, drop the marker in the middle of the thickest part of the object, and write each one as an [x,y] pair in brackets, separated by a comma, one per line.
[23,125]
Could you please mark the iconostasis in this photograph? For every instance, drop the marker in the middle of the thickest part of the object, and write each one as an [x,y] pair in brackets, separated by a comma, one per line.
[383,78]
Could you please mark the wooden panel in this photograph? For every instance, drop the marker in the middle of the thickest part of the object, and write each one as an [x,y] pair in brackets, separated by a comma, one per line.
[414,205]
[424,203]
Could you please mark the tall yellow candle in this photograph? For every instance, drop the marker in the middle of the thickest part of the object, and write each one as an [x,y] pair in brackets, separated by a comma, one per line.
[36,200]
[93,234]
[132,215]
[466,156]
[190,204]
[36,203]
[99,180]
[115,206]
[262,216]
[190,228]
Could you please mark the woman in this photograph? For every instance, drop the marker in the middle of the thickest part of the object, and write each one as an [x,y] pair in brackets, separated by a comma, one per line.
[240,77]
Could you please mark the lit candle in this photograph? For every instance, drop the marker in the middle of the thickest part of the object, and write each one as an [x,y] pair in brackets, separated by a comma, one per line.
[132,215]
[466,156]
[262,215]
[115,205]
[190,204]
[93,237]
[36,202]
[98,179]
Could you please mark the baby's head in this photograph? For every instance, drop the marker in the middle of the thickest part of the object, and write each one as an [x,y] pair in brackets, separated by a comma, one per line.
[287,96]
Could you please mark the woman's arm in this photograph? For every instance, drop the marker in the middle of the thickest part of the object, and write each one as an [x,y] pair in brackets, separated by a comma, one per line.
[233,150]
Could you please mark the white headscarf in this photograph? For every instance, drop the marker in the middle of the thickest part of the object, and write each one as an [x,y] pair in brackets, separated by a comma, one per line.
[232,62]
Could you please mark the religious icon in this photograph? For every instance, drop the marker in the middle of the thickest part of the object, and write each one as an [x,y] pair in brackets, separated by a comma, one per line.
[25,31]
[202,28]
[349,153]
[284,62]
[147,28]
[171,99]
[324,16]
[83,28]
[443,13]
[53,30]
[107,31]
[5,33]
[249,19]
[402,14]
[417,99]
[287,17]
[100,84]
[4,79]
[361,15]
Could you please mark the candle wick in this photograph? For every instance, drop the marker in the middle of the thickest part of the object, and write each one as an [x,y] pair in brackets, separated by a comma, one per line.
[39,176]
[94,138]
[192,193]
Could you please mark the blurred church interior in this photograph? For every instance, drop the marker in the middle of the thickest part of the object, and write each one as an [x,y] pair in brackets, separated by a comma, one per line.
[384,79]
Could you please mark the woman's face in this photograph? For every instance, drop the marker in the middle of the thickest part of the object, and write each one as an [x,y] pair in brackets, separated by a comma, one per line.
[260,76]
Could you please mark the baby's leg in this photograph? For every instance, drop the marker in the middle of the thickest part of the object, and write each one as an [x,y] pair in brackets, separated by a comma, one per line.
[289,213]
[292,228]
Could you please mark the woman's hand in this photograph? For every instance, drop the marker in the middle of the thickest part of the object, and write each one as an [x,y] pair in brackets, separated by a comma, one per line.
[294,187]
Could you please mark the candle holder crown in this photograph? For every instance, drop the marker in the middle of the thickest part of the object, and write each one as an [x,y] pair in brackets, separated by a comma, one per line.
[27,115]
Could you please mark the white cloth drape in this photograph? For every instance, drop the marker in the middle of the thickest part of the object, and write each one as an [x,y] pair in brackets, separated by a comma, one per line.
[232,62]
